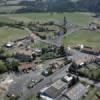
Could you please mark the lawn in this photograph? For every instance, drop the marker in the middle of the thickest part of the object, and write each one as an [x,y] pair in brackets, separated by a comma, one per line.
[86,37]
[9,34]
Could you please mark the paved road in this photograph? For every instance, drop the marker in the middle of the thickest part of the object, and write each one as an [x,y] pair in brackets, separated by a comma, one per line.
[47,81]
[51,42]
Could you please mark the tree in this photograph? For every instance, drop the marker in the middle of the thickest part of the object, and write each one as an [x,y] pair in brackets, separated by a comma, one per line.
[15,65]
[61,51]
[65,21]
[2,50]
[3,67]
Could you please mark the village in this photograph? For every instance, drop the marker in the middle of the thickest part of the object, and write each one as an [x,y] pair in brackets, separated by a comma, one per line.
[50,72]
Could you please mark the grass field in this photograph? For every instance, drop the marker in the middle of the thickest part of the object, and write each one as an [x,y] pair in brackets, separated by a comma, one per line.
[86,37]
[9,34]
[6,19]
[73,17]
[80,18]
[9,9]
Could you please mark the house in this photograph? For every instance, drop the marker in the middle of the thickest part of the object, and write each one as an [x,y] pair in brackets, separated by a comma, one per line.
[68,78]
[87,59]
[53,91]
[93,51]
[27,66]
[24,55]
[76,92]
[88,50]
[98,59]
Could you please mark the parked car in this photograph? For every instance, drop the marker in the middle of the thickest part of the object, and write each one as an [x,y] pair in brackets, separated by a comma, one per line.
[47,72]
[34,82]
[10,94]
[13,95]
[31,84]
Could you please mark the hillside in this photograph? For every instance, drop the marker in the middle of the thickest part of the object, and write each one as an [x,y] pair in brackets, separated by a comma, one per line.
[20,6]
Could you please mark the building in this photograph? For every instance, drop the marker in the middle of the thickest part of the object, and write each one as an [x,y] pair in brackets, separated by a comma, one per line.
[24,55]
[68,78]
[87,59]
[76,92]
[88,50]
[27,66]
[93,51]
[53,91]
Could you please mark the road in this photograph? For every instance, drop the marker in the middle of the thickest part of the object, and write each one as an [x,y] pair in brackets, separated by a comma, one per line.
[47,81]
[51,42]
[20,81]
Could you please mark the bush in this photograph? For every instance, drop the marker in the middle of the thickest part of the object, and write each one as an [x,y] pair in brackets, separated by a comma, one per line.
[3,67]
[13,65]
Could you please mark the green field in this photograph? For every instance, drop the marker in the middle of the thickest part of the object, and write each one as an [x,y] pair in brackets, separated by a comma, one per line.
[77,18]
[86,37]
[73,17]
[6,19]
[90,38]
[9,9]
[9,34]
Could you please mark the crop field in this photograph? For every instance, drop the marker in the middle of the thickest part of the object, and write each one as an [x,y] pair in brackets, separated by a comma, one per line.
[86,37]
[9,34]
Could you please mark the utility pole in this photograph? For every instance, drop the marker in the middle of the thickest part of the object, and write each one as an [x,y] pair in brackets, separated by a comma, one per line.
[65,21]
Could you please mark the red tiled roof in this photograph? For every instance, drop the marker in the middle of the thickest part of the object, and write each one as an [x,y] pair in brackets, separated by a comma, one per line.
[25,52]
[92,49]
[85,59]
[27,65]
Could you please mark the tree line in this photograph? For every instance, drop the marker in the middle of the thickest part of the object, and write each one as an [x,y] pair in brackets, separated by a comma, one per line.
[55,5]
[60,6]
